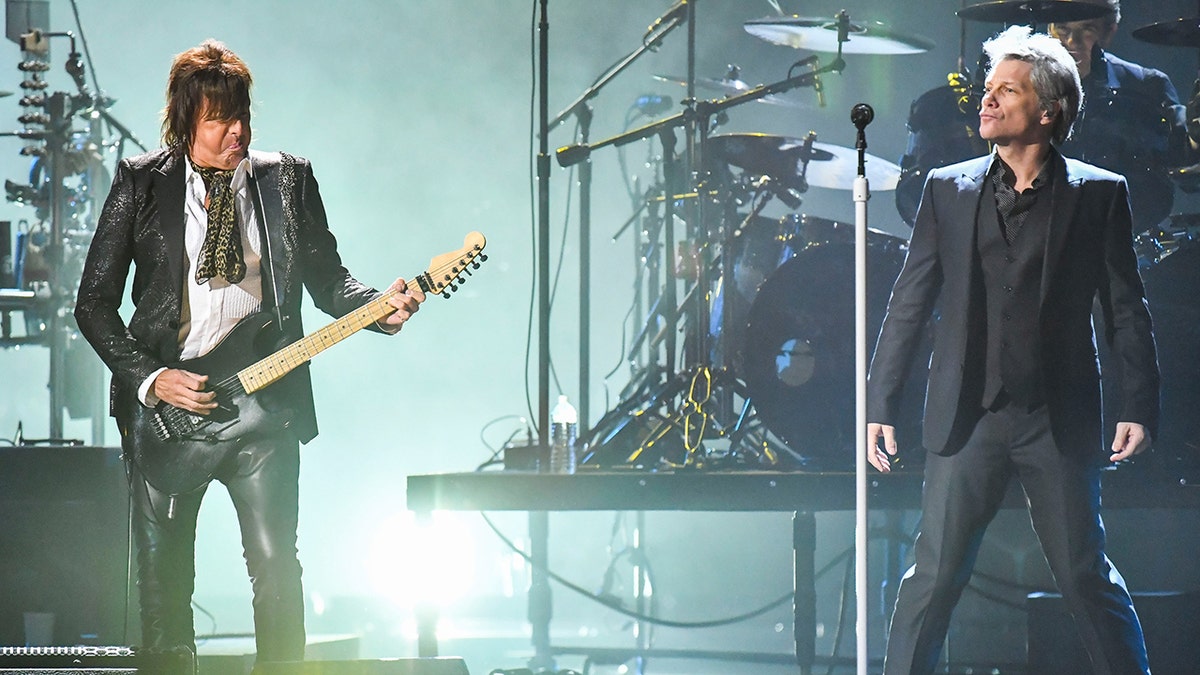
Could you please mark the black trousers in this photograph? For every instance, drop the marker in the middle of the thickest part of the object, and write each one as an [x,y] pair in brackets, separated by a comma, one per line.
[262,480]
[962,493]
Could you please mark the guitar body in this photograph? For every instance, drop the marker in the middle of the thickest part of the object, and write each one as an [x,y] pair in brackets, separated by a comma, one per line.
[178,451]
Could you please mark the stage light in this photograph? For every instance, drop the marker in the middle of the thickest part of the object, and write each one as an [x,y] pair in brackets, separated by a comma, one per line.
[432,562]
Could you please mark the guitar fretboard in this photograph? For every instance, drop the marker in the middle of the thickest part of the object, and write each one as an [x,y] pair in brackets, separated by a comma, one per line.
[274,367]
[443,271]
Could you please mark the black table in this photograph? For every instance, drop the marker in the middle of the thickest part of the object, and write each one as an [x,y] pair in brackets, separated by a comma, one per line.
[803,493]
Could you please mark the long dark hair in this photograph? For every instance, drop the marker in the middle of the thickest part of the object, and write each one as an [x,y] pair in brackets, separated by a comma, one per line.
[209,78]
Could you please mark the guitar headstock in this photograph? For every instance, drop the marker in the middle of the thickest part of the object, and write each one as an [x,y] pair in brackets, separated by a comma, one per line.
[445,273]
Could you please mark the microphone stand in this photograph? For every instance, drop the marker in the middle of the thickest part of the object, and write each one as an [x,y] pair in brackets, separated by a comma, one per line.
[540,600]
[573,154]
[583,112]
[861,115]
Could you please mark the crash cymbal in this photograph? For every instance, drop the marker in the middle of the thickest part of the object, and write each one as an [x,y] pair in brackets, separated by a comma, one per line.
[731,86]
[781,157]
[763,154]
[820,35]
[839,172]
[1032,11]
[1173,33]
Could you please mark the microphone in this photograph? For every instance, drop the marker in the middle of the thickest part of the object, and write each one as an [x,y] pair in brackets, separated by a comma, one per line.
[653,104]
[813,60]
[677,11]
[572,154]
[806,150]
[74,68]
[843,29]
[862,115]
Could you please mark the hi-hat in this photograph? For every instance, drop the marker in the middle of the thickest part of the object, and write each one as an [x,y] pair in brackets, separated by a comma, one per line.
[821,35]
[1032,11]
[780,157]
[731,86]
[1173,33]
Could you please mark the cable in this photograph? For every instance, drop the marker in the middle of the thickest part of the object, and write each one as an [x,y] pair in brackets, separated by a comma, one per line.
[786,598]
[843,605]
[87,53]
[483,430]
[212,634]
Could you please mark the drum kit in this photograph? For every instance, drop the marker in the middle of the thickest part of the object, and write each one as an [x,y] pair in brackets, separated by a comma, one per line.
[769,349]
[770,378]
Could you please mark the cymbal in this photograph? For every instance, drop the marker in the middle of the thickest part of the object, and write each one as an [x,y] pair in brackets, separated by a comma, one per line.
[1032,11]
[780,157]
[1173,33]
[820,35]
[731,87]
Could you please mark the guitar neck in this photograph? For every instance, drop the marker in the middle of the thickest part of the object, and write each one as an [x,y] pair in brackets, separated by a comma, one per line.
[440,277]
[274,367]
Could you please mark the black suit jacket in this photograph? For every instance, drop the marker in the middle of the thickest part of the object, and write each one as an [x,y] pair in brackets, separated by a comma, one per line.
[142,225]
[1089,255]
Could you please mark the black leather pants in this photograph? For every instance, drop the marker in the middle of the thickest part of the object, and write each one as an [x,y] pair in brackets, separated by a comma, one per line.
[262,479]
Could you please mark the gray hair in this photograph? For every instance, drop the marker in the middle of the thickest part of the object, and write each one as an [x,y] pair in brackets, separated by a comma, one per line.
[1055,77]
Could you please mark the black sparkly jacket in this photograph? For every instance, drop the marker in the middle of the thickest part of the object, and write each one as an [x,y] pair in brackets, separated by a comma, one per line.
[143,224]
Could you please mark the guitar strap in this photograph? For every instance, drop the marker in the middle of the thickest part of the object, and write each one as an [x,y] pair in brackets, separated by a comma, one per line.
[268,279]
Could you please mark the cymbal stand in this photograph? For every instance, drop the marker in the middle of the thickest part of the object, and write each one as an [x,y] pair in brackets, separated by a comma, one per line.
[582,111]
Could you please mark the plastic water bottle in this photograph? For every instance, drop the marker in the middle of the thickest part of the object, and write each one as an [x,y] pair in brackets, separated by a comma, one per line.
[564,431]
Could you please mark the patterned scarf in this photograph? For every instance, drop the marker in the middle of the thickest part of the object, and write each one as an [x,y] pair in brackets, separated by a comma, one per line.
[221,254]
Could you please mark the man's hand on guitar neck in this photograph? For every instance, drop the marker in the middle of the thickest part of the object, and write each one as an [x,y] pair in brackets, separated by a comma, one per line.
[185,390]
[406,300]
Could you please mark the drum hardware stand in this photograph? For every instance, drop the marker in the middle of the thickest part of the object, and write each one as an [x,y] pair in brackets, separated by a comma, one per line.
[701,378]
[583,114]
[539,601]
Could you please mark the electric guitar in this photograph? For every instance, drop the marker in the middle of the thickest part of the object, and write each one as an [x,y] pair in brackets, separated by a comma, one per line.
[179,451]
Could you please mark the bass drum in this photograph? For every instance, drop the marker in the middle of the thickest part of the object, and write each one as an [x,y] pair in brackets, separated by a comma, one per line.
[943,128]
[760,247]
[799,349]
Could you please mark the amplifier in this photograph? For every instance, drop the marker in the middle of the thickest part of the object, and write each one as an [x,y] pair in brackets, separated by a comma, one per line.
[64,521]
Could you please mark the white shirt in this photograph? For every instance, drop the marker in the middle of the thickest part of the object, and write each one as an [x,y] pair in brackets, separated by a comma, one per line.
[210,310]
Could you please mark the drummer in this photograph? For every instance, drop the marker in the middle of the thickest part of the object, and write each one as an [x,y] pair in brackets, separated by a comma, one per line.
[1132,121]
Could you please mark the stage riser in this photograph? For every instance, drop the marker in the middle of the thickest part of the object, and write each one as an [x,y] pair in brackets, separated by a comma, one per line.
[421,666]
